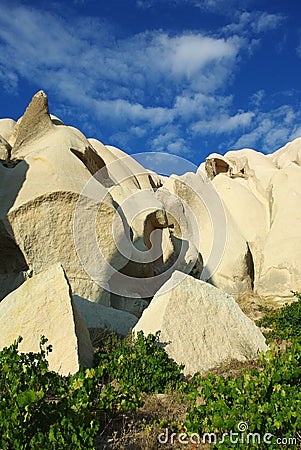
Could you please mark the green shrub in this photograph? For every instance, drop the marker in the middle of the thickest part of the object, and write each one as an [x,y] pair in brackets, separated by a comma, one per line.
[140,362]
[285,323]
[267,399]
[40,409]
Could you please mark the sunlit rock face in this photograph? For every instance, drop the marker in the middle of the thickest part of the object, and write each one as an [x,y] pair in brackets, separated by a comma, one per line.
[120,231]
[43,306]
[262,198]
[201,326]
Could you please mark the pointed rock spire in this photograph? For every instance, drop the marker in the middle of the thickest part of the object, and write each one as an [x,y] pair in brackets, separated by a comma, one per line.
[35,121]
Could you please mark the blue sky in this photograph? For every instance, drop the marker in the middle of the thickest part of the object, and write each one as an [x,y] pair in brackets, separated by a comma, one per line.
[186,77]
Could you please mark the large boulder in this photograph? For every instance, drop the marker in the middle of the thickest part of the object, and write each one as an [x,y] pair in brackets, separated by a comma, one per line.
[43,306]
[201,326]
[100,317]
[45,231]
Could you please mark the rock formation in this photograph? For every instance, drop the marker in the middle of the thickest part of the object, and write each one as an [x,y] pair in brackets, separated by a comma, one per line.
[262,198]
[201,326]
[43,306]
[121,233]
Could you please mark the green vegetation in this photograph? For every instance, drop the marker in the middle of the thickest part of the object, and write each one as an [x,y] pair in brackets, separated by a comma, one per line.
[285,323]
[40,409]
[267,399]
[140,362]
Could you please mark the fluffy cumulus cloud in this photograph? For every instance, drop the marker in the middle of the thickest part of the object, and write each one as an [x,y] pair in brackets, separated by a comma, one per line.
[167,89]
[223,123]
[144,78]
[36,44]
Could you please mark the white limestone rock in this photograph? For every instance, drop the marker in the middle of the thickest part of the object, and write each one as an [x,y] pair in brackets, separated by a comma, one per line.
[247,246]
[202,326]
[39,198]
[97,316]
[261,194]
[5,149]
[290,153]
[43,305]
[280,271]
[6,128]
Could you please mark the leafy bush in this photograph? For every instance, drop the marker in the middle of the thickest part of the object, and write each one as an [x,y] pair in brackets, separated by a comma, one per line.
[285,323]
[140,362]
[267,399]
[41,409]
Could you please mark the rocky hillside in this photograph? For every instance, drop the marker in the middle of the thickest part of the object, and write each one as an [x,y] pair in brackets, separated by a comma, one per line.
[90,239]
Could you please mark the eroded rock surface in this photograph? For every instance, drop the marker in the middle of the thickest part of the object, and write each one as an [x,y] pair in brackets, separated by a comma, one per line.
[201,326]
[43,306]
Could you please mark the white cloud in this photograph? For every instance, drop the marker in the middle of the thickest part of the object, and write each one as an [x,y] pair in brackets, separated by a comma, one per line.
[161,140]
[144,4]
[211,114]
[110,76]
[9,80]
[166,88]
[178,147]
[296,133]
[217,6]
[138,131]
[266,22]
[187,55]
[193,107]
[223,123]
[271,129]
[171,142]
[254,22]
[257,98]
[220,6]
